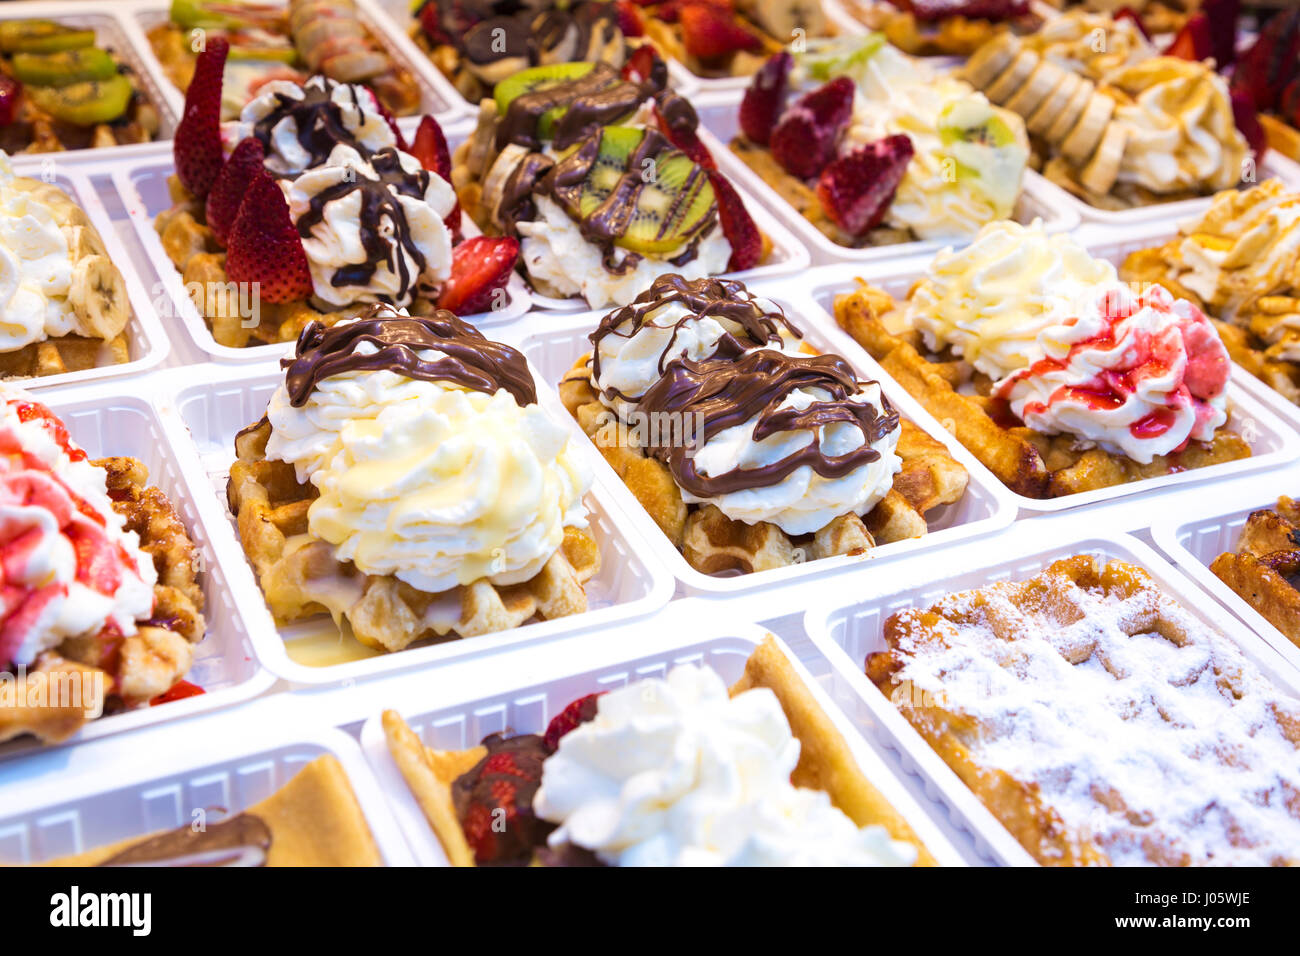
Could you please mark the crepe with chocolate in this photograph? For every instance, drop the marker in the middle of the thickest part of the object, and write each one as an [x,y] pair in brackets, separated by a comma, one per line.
[313,820]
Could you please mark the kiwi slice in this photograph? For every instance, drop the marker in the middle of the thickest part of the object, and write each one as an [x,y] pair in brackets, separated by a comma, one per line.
[42,36]
[198,13]
[837,56]
[537,78]
[64,67]
[85,103]
[988,153]
[672,197]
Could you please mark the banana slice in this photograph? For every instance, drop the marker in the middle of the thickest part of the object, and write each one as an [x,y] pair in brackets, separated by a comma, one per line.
[1045,78]
[1041,120]
[84,241]
[1013,78]
[1103,169]
[1087,133]
[989,61]
[98,297]
[1069,116]
[494,183]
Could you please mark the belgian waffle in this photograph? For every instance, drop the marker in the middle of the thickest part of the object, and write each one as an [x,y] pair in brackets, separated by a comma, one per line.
[713,543]
[1099,721]
[1264,566]
[825,761]
[1026,461]
[148,663]
[300,576]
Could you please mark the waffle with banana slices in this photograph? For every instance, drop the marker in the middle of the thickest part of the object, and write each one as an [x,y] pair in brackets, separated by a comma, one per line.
[96,295]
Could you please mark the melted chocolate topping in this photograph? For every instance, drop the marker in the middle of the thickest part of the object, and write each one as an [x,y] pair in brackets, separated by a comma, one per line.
[726,392]
[318,117]
[465,357]
[723,299]
[243,840]
[597,98]
[507,29]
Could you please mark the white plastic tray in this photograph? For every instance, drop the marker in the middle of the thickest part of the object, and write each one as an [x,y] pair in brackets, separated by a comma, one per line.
[142,187]
[146,15]
[788,255]
[105,422]
[62,804]
[986,506]
[486,700]
[112,32]
[205,411]
[1272,441]
[720,117]
[1193,546]
[147,344]
[846,634]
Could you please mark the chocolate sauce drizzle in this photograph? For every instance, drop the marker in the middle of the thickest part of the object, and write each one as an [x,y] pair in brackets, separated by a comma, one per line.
[466,358]
[552,35]
[726,392]
[319,119]
[524,831]
[723,299]
[243,840]
[597,98]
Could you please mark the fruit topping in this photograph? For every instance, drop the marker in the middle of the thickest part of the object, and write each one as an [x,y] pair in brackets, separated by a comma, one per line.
[1128,13]
[638,192]
[86,103]
[931,10]
[11,92]
[263,245]
[197,147]
[494,800]
[712,33]
[430,148]
[1223,16]
[804,139]
[1247,119]
[64,68]
[1193,41]
[827,58]
[646,67]
[42,36]
[579,712]
[680,124]
[856,190]
[479,267]
[629,19]
[737,225]
[197,13]
[765,99]
[232,183]
[1270,63]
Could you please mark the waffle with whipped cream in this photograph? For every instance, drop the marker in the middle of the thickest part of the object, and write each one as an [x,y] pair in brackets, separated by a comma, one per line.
[405,481]
[1099,721]
[861,479]
[1031,353]
[1238,263]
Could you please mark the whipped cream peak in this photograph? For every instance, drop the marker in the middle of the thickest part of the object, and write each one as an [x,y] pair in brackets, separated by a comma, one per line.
[679,318]
[675,772]
[1140,375]
[989,300]
[425,470]
[70,567]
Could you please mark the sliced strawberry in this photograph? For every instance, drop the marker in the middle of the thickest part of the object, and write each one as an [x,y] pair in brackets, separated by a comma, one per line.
[629,18]
[430,148]
[263,245]
[1128,13]
[680,124]
[737,225]
[670,12]
[227,192]
[1223,16]
[1193,41]
[765,98]
[431,25]
[180,691]
[479,267]
[197,146]
[711,33]
[11,92]
[578,712]
[1247,120]
[804,140]
[856,190]
[1271,61]
[494,800]
[646,67]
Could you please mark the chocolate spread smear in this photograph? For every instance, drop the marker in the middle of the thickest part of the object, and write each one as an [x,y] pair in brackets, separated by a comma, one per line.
[464,356]
[243,840]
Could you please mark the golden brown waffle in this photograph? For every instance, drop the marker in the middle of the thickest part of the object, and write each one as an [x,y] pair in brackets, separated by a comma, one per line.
[1099,721]
[713,543]
[1255,302]
[313,820]
[300,576]
[1265,564]
[951,36]
[70,353]
[804,200]
[1028,462]
[825,761]
[148,663]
